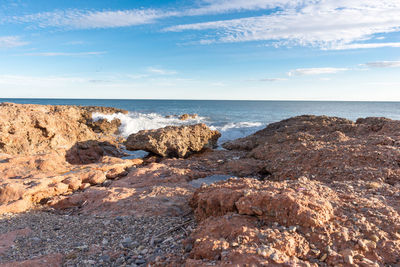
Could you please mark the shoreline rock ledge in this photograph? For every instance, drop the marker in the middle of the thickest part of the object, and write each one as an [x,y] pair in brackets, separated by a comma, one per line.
[174,141]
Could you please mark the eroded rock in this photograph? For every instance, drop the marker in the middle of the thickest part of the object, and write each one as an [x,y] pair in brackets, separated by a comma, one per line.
[326,148]
[174,141]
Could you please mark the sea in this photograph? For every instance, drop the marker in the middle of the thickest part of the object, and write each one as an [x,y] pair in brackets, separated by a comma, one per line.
[234,119]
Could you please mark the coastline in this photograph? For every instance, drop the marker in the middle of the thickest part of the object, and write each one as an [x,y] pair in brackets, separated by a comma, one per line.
[309,190]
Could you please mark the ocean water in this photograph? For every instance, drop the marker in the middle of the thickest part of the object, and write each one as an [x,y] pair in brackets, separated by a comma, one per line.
[233,119]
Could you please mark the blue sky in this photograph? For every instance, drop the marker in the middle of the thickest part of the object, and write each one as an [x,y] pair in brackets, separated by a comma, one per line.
[201,49]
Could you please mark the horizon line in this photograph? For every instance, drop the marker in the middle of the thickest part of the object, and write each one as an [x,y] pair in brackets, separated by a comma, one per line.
[171,99]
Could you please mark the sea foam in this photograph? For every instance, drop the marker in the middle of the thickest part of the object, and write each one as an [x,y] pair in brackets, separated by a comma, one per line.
[134,122]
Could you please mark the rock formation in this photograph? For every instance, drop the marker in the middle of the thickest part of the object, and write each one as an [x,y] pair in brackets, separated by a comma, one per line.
[330,196]
[174,141]
[308,191]
[326,148]
[31,129]
[187,116]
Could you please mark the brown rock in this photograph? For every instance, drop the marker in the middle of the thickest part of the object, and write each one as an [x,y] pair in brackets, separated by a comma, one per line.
[92,151]
[174,141]
[326,148]
[251,197]
[106,127]
[29,129]
[186,116]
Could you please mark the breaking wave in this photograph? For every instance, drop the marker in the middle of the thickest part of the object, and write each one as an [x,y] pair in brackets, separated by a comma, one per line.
[134,122]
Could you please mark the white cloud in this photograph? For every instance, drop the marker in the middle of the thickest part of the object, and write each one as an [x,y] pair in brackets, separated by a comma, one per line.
[327,24]
[11,41]
[364,46]
[78,19]
[322,23]
[160,71]
[315,71]
[64,54]
[225,6]
[272,80]
[383,64]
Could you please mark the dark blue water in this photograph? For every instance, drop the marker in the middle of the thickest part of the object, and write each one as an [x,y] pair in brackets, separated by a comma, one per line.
[233,118]
[235,111]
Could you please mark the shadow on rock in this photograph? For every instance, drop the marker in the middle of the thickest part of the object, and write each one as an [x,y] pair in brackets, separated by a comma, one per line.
[92,151]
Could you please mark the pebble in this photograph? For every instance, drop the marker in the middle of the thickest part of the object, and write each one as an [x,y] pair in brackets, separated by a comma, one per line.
[120,261]
[126,242]
[35,240]
[274,257]
[348,259]
[140,261]
[188,247]
[234,244]
[257,211]
[362,245]
[374,238]
[116,236]
[105,258]
[262,252]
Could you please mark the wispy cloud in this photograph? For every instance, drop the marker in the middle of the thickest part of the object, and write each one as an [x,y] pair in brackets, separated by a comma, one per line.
[65,54]
[363,46]
[11,41]
[383,64]
[160,71]
[326,24]
[78,19]
[315,71]
[272,80]
[224,6]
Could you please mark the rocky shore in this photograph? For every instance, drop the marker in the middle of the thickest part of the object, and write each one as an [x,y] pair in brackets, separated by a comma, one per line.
[306,191]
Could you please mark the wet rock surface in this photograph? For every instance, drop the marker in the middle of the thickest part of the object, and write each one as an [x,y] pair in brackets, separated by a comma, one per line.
[174,141]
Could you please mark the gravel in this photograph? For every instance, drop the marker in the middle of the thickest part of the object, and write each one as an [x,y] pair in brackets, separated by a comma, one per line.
[90,240]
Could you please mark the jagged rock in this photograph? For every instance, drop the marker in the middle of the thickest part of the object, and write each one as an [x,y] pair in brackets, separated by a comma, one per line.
[187,116]
[255,198]
[174,141]
[105,126]
[326,148]
[30,129]
[92,151]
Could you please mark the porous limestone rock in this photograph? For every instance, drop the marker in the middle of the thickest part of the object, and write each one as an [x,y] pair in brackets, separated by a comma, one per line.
[174,141]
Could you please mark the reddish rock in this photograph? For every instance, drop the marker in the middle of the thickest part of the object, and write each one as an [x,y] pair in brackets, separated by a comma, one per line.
[92,151]
[7,239]
[53,260]
[174,141]
[326,148]
[29,129]
[266,200]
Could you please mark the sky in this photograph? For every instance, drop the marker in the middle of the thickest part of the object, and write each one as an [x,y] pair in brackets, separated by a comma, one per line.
[201,49]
